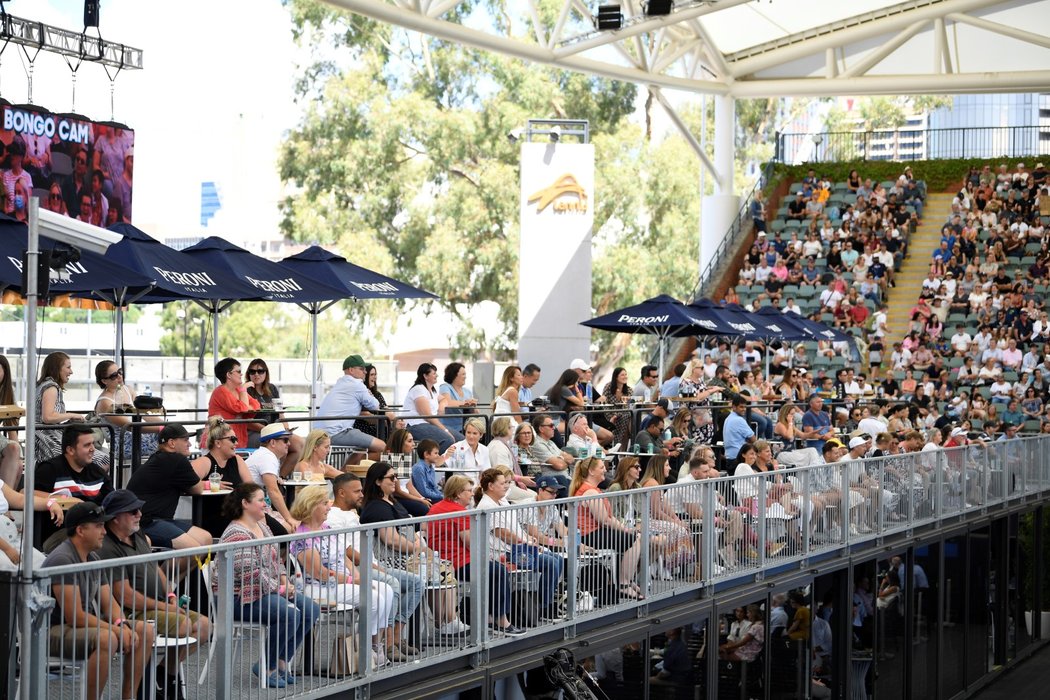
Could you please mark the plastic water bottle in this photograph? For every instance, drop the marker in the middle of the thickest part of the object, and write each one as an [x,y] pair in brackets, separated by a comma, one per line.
[333,587]
[589,447]
[147,391]
[667,434]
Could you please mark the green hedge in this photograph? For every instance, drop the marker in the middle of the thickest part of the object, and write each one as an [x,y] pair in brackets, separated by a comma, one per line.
[939,175]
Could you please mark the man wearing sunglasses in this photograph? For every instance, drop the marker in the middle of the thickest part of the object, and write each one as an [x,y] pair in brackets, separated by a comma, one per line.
[265,467]
[160,482]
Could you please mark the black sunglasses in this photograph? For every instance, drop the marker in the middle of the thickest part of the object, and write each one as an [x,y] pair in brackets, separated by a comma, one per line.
[118,373]
[257,370]
[231,438]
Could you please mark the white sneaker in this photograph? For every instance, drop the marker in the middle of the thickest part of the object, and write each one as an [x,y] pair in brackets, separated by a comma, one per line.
[864,529]
[454,627]
[835,534]
[854,530]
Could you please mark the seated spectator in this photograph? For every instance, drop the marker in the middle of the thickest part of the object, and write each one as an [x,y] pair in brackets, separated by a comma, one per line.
[422,410]
[544,451]
[86,624]
[144,593]
[11,541]
[231,399]
[262,592]
[677,550]
[323,562]
[546,523]
[51,410]
[599,529]
[508,539]
[117,397]
[451,538]
[160,482]
[580,438]
[222,459]
[314,464]
[348,495]
[73,471]
[748,647]
[350,397]
[268,395]
[456,398]
[402,445]
[424,478]
[507,393]
[472,456]
[264,465]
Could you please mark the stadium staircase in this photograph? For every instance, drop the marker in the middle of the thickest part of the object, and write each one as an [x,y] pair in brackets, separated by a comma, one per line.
[915,266]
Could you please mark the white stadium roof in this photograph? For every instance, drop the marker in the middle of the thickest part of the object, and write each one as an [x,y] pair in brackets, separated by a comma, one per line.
[767,48]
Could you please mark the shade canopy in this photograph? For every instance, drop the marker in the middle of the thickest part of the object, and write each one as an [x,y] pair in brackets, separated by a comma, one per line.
[353,281]
[662,316]
[279,282]
[92,272]
[176,275]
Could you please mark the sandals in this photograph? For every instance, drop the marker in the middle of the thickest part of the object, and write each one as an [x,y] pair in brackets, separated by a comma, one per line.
[630,590]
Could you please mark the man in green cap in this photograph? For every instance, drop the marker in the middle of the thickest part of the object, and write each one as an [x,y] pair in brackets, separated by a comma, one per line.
[349,397]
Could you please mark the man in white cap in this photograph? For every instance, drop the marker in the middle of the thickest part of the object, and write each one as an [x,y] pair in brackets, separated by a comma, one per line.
[265,466]
[861,483]
[586,386]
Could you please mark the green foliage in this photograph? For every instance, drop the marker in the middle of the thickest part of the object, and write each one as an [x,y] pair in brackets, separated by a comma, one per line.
[266,329]
[1035,559]
[940,175]
[401,161]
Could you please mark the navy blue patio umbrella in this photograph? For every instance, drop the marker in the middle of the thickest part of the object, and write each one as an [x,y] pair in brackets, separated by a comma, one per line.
[664,317]
[351,281]
[92,272]
[175,276]
[821,331]
[273,279]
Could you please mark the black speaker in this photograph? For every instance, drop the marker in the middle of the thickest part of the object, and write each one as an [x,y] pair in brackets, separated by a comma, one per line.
[609,17]
[91,13]
[657,8]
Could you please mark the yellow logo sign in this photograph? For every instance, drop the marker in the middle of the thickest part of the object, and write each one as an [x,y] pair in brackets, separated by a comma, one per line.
[565,196]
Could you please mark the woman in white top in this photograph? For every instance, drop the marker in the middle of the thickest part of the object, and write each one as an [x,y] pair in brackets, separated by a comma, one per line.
[10,539]
[422,400]
[509,541]
[507,393]
[469,454]
[502,453]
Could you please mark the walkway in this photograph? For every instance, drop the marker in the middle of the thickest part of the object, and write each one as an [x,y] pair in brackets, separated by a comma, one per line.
[1027,680]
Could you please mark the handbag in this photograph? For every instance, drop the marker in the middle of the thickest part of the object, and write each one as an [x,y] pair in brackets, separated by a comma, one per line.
[887,602]
[433,571]
[335,655]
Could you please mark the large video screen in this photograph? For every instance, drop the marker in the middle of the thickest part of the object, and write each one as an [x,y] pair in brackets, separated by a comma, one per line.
[77,167]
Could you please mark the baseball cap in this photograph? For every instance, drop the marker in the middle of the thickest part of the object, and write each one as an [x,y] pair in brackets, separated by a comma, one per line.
[550,481]
[834,443]
[664,404]
[274,430]
[121,501]
[353,361]
[858,441]
[580,364]
[173,432]
[956,432]
[83,513]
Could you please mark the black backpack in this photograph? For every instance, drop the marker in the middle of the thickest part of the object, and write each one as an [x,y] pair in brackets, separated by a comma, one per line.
[597,580]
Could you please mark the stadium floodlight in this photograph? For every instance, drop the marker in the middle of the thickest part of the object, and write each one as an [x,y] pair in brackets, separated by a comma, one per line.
[75,232]
[658,8]
[609,17]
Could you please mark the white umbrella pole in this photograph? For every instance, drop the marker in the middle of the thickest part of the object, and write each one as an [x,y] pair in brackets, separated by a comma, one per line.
[215,336]
[314,362]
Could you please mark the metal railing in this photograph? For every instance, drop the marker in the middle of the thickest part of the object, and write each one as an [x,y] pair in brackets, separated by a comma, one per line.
[418,592]
[911,143]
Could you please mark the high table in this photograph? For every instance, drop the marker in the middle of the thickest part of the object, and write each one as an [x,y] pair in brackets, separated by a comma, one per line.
[198,502]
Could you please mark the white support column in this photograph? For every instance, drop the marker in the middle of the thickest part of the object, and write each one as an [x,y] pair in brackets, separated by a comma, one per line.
[831,68]
[720,209]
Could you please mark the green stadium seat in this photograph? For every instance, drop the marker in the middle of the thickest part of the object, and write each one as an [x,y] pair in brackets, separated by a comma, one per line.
[1010,375]
[1031,426]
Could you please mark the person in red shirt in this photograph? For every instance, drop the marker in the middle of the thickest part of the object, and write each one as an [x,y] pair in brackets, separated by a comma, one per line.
[231,400]
[450,538]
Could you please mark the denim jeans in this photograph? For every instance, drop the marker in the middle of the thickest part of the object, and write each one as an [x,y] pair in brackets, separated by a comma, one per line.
[424,431]
[549,566]
[499,587]
[408,591]
[289,621]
